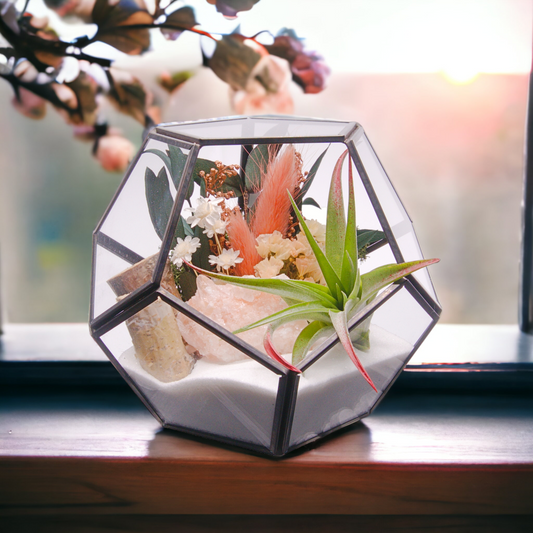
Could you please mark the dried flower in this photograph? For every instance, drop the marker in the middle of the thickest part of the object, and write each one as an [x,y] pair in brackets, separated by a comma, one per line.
[217,226]
[184,249]
[269,268]
[206,213]
[268,243]
[226,260]
[318,230]
[308,267]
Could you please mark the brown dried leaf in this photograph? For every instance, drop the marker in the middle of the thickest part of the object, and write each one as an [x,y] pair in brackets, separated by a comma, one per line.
[128,96]
[115,25]
[181,19]
[233,61]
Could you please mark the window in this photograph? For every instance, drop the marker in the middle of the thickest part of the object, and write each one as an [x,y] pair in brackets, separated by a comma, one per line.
[440,88]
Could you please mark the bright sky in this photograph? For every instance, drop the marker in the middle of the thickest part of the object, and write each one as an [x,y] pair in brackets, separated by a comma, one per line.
[460,38]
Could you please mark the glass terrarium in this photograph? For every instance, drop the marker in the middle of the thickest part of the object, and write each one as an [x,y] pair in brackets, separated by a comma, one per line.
[257,280]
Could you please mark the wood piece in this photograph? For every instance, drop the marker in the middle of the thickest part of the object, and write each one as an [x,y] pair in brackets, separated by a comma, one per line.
[133,277]
[158,344]
[154,330]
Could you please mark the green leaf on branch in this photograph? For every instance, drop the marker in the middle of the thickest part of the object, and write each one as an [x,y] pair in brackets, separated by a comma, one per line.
[311,201]
[187,284]
[366,237]
[159,199]
[178,160]
[201,256]
[311,176]
[256,167]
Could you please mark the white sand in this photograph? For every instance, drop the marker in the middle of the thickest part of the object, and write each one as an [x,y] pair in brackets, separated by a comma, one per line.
[237,400]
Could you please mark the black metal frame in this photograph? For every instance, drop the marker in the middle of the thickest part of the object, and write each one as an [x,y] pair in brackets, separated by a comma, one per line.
[152,290]
[525,298]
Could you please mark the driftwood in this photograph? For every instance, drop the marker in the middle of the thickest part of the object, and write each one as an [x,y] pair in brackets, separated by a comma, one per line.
[154,330]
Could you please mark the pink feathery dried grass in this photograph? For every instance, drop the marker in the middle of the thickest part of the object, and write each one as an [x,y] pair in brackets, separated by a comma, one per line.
[273,207]
[242,239]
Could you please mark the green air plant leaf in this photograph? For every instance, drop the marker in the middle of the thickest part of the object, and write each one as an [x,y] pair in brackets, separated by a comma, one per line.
[338,319]
[291,289]
[310,334]
[332,279]
[382,276]
[301,311]
[182,230]
[159,199]
[232,184]
[329,308]
[335,226]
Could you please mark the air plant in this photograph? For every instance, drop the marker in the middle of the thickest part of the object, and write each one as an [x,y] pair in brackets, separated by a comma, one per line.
[327,308]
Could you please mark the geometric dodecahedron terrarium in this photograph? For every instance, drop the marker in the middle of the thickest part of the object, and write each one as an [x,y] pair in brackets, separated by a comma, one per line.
[249,279]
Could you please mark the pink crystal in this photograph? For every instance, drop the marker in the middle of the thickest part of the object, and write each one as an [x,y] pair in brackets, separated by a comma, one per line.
[234,307]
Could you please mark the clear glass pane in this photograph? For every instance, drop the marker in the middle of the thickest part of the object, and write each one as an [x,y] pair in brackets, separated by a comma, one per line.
[397,217]
[246,128]
[130,236]
[332,392]
[131,220]
[205,386]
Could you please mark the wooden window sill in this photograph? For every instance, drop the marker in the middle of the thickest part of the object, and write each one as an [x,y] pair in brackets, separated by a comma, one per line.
[95,450]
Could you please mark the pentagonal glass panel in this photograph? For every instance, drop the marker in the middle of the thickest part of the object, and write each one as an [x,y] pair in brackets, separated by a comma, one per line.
[394,211]
[130,235]
[193,379]
[246,128]
[332,392]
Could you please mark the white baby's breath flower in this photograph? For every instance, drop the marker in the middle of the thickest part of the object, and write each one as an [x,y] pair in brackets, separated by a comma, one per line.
[205,214]
[184,249]
[226,260]
[268,268]
[218,226]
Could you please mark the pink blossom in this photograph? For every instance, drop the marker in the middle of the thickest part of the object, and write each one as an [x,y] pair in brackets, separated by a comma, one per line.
[267,89]
[114,153]
[29,104]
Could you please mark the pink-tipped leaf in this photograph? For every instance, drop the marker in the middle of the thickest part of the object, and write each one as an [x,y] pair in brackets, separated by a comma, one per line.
[272,352]
[338,320]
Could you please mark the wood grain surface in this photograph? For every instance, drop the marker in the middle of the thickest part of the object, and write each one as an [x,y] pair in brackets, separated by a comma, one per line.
[84,451]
